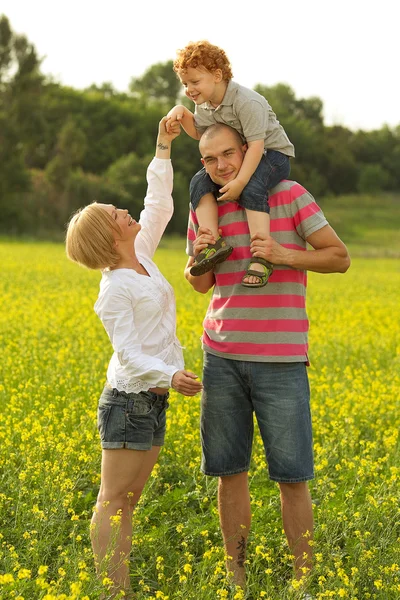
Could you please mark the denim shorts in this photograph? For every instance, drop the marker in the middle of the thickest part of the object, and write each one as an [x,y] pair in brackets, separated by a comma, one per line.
[273,167]
[134,421]
[279,396]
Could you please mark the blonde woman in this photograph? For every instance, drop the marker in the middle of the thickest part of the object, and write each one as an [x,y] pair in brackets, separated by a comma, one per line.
[137,308]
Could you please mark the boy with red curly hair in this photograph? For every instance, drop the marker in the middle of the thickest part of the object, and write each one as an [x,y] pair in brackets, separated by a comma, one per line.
[206,75]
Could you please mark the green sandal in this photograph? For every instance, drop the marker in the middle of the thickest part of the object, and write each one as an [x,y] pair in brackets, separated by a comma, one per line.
[262,277]
[210,256]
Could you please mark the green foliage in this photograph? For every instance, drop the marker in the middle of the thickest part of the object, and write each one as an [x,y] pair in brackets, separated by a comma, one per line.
[158,84]
[97,141]
[373,178]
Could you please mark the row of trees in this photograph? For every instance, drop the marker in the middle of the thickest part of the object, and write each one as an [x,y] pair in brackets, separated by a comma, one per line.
[61,148]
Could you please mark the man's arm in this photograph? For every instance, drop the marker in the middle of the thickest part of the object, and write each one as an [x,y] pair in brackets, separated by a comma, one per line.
[330,255]
[201,283]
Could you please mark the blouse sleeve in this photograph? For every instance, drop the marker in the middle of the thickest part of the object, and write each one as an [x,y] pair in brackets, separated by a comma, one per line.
[116,313]
[158,206]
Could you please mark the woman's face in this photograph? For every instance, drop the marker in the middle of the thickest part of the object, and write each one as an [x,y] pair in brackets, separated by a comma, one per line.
[128,226]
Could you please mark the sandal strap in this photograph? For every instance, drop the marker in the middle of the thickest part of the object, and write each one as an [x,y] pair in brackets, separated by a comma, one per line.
[261,261]
[258,274]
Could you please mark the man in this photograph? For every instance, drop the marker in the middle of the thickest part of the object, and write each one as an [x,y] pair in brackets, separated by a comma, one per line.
[255,351]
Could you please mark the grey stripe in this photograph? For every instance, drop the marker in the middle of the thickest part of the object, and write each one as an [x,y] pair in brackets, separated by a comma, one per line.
[274,289]
[262,338]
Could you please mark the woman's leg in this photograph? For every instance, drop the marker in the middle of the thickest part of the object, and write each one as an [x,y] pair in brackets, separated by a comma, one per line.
[123,476]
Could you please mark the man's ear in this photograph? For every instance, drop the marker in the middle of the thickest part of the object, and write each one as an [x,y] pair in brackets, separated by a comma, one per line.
[245,148]
[202,161]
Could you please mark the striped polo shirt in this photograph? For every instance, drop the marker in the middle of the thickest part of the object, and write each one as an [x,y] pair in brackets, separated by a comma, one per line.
[267,324]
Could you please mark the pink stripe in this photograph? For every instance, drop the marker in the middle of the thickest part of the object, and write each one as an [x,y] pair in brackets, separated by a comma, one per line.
[193,217]
[257,349]
[306,212]
[278,276]
[294,247]
[254,326]
[259,301]
[191,235]
[229,207]
[287,196]
[240,228]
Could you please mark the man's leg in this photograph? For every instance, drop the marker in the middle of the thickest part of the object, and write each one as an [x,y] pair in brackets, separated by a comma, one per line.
[235,519]
[227,438]
[297,517]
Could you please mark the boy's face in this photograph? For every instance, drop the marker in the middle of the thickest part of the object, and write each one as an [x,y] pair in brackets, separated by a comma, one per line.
[201,85]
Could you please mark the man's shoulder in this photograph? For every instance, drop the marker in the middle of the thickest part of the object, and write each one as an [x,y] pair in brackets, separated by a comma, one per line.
[287,191]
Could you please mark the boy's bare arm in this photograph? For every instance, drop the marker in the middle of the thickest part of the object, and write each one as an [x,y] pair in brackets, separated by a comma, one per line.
[233,189]
[186,118]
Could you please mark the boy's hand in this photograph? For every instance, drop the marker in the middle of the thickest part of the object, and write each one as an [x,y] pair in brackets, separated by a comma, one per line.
[231,191]
[175,115]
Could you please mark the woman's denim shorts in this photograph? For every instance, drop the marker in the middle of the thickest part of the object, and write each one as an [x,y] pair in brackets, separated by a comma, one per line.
[278,394]
[133,421]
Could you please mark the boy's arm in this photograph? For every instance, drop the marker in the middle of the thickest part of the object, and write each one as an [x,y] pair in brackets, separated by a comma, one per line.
[233,189]
[183,115]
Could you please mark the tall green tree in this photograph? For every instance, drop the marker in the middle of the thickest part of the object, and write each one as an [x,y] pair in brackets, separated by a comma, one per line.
[158,84]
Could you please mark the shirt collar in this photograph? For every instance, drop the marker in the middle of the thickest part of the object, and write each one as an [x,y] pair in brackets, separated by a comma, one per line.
[228,98]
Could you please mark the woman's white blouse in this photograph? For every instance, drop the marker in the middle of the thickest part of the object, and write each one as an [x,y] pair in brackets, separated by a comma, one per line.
[138,312]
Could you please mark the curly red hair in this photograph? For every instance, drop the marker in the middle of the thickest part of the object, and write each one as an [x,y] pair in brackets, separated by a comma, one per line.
[204,55]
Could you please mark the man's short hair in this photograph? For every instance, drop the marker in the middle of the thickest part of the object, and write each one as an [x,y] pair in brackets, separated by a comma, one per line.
[218,128]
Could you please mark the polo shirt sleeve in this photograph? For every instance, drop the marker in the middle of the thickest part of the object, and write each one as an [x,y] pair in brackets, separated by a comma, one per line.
[192,229]
[307,215]
[253,117]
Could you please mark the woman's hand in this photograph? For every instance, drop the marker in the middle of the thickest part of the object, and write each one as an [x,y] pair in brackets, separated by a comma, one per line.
[185,382]
[164,138]
[173,130]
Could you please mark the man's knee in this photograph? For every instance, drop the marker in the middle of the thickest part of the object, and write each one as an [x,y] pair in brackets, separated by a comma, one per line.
[294,491]
[236,481]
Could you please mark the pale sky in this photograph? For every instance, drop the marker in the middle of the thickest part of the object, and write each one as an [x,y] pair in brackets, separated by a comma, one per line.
[346,51]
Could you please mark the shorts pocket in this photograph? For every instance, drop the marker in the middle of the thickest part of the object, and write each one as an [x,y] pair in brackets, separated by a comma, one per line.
[103,416]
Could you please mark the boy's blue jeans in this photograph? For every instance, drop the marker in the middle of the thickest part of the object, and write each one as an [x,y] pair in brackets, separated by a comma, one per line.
[273,167]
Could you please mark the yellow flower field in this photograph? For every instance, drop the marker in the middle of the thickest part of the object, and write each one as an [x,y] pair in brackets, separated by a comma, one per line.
[54,354]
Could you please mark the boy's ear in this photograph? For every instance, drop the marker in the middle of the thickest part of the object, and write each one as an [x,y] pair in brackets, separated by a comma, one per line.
[218,75]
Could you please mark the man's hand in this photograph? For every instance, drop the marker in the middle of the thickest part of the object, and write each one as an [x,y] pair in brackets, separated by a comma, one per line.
[266,247]
[203,238]
[185,382]
[231,191]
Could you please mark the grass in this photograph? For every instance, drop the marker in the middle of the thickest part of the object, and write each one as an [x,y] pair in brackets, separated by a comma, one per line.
[54,358]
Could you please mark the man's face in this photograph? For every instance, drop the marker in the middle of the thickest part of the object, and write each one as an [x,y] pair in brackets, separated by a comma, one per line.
[222,156]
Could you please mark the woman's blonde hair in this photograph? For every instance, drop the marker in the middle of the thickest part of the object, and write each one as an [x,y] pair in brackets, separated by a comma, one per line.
[90,238]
